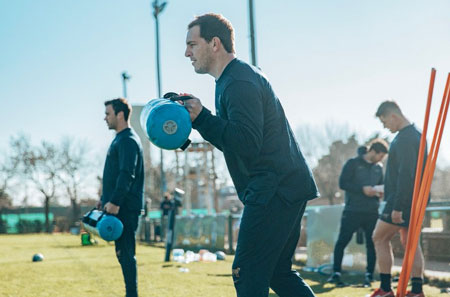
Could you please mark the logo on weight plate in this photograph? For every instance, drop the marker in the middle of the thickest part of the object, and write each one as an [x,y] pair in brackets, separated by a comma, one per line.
[170,127]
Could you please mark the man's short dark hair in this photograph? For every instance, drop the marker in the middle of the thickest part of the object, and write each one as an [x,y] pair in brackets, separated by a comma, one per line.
[388,107]
[378,145]
[120,104]
[215,25]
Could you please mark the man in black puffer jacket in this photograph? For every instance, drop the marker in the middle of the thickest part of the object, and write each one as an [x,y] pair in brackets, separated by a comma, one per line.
[359,178]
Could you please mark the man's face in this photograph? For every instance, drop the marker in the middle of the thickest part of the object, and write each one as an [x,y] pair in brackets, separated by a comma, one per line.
[378,157]
[198,50]
[389,122]
[110,117]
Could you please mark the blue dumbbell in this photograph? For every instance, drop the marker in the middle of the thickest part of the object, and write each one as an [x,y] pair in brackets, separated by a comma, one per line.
[108,227]
[167,123]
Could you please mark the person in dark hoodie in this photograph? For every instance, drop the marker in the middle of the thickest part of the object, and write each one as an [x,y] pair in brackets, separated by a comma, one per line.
[361,178]
[123,186]
[266,165]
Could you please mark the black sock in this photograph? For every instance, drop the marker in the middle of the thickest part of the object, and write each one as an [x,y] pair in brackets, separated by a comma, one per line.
[385,282]
[416,285]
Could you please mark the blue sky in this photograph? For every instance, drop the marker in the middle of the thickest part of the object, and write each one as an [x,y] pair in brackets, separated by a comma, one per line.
[327,60]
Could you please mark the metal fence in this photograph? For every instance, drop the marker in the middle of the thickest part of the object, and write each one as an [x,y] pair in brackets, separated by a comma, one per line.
[319,232]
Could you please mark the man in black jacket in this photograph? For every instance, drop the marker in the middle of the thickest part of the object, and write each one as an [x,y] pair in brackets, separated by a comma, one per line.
[165,207]
[123,186]
[265,162]
[398,192]
[359,178]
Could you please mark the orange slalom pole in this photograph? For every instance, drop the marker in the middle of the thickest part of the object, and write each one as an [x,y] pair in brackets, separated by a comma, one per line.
[438,132]
[415,227]
[415,224]
[423,140]
[425,195]
[435,147]
[415,221]
[420,158]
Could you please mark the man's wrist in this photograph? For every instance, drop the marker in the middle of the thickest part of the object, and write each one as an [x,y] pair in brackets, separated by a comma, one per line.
[198,121]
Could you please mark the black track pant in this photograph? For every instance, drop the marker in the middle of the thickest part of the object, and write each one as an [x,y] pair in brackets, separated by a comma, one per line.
[350,223]
[126,251]
[267,241]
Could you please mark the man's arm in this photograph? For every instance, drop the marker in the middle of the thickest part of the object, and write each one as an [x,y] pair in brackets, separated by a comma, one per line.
[407,160]
[381,179]
[242,133]
[347,182]
[346,179]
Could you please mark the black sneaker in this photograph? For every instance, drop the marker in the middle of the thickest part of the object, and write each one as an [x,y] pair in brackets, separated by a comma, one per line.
[368,279]
[335,278]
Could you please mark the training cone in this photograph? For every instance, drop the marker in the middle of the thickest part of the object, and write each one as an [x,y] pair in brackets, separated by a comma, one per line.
[38,258]
[220,255]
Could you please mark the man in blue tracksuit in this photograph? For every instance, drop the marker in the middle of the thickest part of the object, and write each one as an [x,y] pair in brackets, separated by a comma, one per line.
[265,162]
[359,178]
[123,186]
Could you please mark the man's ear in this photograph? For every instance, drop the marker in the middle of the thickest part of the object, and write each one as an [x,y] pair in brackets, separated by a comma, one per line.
[396,116]
[120,115]
[216,43]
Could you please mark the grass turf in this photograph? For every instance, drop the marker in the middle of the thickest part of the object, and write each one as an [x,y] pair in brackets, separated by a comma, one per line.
[70,269]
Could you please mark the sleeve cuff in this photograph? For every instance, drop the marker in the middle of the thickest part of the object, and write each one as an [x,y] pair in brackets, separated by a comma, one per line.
[201,118]
[116,201]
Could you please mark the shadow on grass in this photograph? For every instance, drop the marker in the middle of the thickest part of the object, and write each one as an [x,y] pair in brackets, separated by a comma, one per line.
[79,246]
[319,283]
[156,244]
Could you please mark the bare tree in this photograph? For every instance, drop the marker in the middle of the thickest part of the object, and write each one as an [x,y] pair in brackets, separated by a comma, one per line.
[329,168]
[40,166]
[8,170]
[315,140]
[5,200]
[74,171]
[440,187]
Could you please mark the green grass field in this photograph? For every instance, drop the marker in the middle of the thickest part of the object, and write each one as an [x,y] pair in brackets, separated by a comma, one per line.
[70,269]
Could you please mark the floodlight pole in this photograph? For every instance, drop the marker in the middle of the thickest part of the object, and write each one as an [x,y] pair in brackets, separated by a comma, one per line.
[125,78]
[157,9]
[252,33]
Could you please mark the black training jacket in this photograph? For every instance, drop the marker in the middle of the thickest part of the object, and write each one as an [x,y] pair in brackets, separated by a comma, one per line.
[251,129]
[356,174]
[123,175]
[401,169]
